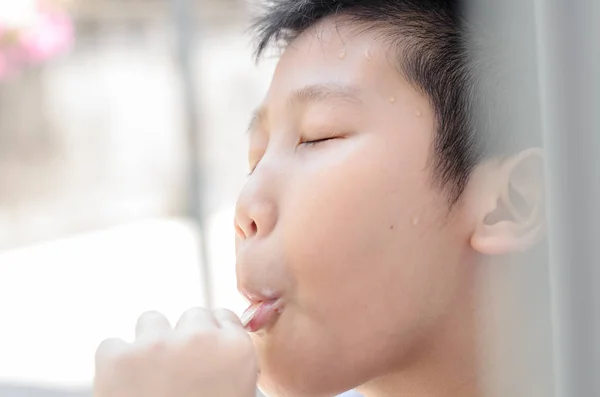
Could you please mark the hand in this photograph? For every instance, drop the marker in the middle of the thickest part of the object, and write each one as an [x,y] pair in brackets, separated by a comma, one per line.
[206,355]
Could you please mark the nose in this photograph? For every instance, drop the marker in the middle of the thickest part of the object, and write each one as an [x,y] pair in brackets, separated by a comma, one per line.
[256,211]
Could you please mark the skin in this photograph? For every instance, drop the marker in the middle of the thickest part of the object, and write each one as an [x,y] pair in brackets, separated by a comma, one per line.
[377,276]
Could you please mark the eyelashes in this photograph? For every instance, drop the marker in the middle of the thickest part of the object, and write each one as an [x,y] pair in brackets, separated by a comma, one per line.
[316,141]
[303,143]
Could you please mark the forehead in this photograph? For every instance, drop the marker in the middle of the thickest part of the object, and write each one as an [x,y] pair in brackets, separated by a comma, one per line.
[332,52]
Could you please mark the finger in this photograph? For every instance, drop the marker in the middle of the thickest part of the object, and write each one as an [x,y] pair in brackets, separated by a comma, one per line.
[228,320]
[196,319]
[109,350]
[234,332]
[152,325]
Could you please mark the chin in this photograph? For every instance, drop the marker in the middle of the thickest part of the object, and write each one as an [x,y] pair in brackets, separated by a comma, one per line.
[304,372]
[307,387]
[300,359]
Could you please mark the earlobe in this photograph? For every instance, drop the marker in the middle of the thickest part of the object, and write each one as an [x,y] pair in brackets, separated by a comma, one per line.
[514,219]
[505,238]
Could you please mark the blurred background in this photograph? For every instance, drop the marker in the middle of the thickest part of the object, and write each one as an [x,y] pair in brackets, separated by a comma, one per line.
[101,193]
[122,135]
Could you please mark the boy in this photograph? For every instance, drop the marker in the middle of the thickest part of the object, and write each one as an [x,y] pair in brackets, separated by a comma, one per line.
[375,195]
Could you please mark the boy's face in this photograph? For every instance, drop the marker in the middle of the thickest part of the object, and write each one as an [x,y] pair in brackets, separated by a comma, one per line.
[348,232]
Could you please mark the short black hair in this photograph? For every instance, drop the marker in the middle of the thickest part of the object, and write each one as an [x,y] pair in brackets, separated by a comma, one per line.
[437,58]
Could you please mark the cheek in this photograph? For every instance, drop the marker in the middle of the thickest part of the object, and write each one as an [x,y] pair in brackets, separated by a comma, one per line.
[349,223]
[363,272]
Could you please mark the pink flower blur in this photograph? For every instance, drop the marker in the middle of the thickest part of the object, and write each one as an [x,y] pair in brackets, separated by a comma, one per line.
[51,35]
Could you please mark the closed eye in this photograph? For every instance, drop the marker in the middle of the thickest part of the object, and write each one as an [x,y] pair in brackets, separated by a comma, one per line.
[317,141]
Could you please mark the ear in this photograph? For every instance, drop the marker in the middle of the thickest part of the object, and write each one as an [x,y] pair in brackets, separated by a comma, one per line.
[513,219]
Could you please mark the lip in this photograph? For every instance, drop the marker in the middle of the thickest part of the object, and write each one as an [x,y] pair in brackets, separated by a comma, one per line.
[262,315]
[265,305]
[265,295]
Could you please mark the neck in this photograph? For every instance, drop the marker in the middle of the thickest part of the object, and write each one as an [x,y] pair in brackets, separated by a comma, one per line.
[496,342]
[446,366]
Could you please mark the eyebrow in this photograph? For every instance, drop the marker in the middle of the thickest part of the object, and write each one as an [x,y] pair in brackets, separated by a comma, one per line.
[311,94]
[324,92]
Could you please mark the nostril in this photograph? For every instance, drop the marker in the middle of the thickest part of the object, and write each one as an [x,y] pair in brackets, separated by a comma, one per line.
[253,228]
[247,231]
